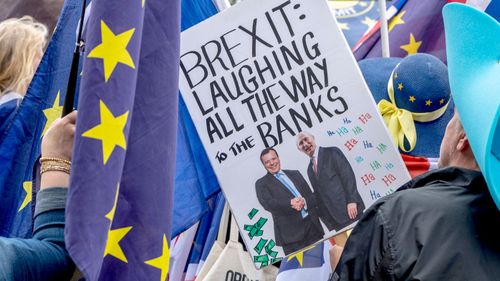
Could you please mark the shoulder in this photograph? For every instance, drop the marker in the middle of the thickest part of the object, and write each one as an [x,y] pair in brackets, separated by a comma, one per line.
[263,180]
[330,150]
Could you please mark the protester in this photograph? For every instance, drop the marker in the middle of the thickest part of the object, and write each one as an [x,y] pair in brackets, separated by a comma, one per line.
[44,257]
[440,226]
[21,43]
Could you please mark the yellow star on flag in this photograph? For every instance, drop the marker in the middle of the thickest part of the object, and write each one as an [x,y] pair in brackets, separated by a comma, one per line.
[161,262]
[412,98]
[52,113]
[344,25]
[400,86]
[412,46]
[368,21]
[299,256]
[113,247]
[28,188]
[109,131]
[113,49]
[111,213]
[397,20]
[428,102]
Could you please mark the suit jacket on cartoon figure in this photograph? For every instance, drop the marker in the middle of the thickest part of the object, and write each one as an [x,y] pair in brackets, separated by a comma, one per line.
[291,230]
[334,187]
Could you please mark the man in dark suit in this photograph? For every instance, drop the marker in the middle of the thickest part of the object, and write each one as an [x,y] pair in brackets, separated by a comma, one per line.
[287,196]
[333,182]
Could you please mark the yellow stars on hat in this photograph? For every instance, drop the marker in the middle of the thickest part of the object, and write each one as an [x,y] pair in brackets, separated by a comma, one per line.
[113,49]
[28,188]
[412,46]
[400,86]
[161,262]
[412,98]
[441,101]
[343,25]
[369,22]
[113,247]
[109,131]
[397,20]
[428,102]
[52,113]
[299,256]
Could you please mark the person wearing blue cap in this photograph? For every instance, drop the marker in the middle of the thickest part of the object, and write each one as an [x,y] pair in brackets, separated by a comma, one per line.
[443,225]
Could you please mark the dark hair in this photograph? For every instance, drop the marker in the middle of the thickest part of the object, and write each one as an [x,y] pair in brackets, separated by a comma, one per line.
[266,151]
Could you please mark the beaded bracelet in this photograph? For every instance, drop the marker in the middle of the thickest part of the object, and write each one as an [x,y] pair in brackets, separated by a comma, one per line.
[54,164]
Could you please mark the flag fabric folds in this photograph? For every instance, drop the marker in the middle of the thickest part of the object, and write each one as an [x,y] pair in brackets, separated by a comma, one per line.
[195,180]
[42,104]
[355,17]
[119,210]
[416,28]
[310,264]
[205,237]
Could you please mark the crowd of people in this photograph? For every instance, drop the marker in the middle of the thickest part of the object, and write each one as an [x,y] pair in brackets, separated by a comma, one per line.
[441,225]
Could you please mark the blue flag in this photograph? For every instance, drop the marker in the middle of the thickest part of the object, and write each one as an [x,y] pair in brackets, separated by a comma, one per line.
[119,214]
[20,142]
[195,179]
[355,17]
[416,28]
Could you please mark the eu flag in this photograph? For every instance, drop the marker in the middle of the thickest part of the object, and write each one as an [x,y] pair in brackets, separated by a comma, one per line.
[416,28]
[20,142]
[120,202]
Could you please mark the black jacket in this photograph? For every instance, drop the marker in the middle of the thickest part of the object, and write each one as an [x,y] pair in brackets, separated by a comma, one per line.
[442,225]
[334,187]
[289,225]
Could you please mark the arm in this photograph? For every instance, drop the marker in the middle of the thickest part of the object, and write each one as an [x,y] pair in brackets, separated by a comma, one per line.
[278,206]
[346,174]
[44,257]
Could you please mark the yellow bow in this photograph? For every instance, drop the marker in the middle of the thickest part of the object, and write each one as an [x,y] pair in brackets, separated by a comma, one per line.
[400,124]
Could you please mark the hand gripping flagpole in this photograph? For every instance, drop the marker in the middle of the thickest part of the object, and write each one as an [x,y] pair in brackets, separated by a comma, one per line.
[383,28]
[73,75]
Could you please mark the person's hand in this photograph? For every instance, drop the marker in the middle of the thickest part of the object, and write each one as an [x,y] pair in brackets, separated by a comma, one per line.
[352,210]
[297,203]
[58,143]
[58,140]
[335,254]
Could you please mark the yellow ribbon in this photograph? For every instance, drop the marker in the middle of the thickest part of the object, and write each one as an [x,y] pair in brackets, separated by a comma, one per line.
[400,122]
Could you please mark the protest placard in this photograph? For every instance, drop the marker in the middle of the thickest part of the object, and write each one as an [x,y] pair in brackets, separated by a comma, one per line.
[280,74]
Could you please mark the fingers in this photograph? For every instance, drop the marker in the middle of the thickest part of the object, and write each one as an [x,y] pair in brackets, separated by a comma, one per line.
[71,117]
[352,212]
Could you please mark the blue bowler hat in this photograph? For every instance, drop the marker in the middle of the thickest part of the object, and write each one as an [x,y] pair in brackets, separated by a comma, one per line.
[473,50]
[413,97]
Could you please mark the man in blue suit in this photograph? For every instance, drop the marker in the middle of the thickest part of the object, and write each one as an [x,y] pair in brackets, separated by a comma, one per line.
[287,196]
[334,183]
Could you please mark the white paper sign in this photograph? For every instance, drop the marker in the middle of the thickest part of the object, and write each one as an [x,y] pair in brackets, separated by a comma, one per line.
[255,76]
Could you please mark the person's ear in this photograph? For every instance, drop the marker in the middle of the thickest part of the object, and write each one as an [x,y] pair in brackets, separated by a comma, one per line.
[463,142]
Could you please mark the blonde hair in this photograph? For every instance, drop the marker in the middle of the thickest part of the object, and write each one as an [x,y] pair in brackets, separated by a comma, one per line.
[21,39]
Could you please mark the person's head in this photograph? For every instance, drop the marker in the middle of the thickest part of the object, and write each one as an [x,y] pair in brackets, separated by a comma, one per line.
[270,159]
[455,148]
[21,43]
[306,143]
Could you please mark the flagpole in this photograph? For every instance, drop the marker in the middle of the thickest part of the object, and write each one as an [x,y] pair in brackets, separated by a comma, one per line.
[69,101]
[383,28]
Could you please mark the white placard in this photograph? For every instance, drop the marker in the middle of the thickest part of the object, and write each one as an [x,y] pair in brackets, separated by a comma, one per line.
[255,76]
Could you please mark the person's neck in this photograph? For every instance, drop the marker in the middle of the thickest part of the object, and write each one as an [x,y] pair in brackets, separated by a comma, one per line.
[466,163]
